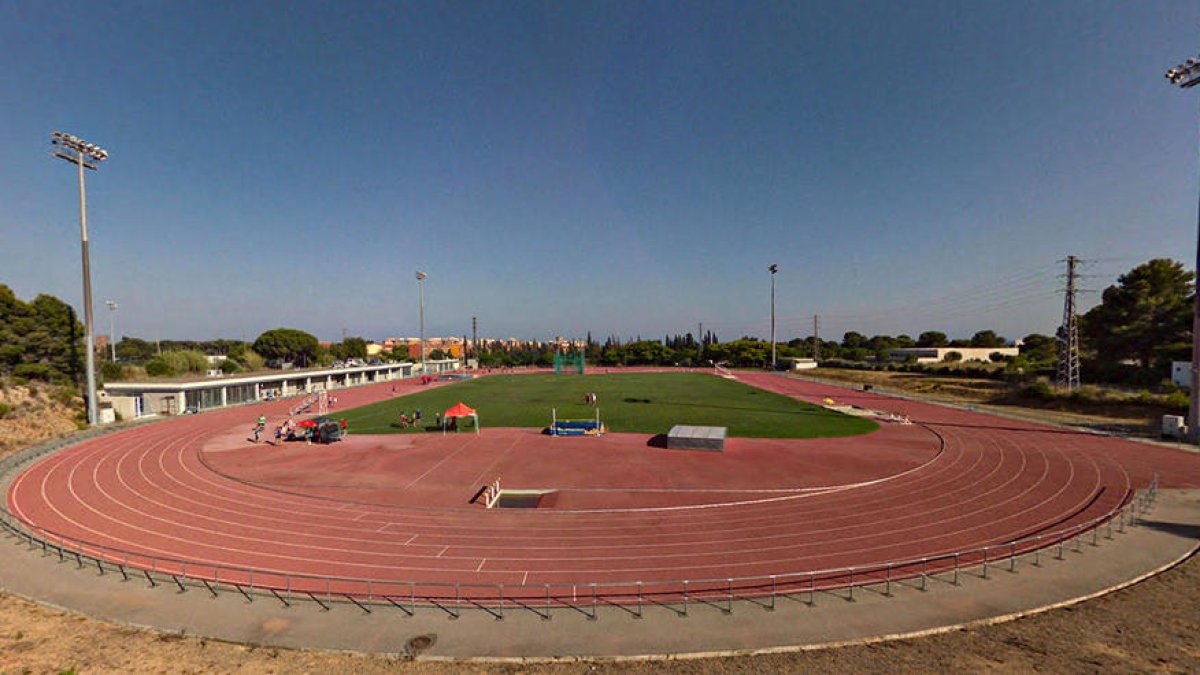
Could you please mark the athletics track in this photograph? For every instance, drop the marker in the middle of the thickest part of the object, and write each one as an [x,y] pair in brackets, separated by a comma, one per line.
[193,496]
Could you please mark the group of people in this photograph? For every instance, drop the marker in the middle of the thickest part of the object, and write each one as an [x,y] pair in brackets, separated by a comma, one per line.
[406,421]
[590,399]
[291,431]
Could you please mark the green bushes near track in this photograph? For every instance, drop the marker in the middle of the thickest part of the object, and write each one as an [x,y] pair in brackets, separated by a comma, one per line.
[648,403]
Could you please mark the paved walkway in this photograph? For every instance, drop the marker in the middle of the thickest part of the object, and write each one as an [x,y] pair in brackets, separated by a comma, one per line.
[1168,533]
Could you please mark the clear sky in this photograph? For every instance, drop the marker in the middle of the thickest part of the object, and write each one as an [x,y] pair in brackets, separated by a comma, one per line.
[623,168]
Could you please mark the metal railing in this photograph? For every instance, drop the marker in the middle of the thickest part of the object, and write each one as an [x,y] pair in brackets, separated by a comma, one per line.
[632,596]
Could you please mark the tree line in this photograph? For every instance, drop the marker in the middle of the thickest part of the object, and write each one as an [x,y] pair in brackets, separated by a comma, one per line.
[1142,323]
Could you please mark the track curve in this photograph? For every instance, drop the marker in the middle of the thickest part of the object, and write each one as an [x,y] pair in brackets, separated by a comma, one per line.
[192,492]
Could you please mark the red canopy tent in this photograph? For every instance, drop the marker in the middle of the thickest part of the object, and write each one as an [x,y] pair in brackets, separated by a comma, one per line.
[460,409]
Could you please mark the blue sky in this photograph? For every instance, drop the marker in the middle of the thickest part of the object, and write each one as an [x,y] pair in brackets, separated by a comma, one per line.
[623,168]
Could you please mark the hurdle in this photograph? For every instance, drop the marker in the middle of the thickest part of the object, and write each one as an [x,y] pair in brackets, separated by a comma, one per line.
[491,495]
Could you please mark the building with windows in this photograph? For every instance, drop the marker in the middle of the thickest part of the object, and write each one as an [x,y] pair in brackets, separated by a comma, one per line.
[176,396]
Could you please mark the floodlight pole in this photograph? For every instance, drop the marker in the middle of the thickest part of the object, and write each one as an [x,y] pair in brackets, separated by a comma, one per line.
[84,151]
[112,330]
[773,269]
[1187,75]
[421,293]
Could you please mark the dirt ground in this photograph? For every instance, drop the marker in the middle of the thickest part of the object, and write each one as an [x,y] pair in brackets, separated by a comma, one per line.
[991,396]
[1151,627]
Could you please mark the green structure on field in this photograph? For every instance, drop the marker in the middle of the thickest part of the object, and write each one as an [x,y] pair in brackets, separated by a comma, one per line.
[569,363]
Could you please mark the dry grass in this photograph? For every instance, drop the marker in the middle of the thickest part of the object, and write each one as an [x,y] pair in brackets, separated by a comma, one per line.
[34,413]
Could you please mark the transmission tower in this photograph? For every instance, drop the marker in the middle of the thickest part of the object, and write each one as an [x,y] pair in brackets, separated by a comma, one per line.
[1068,333]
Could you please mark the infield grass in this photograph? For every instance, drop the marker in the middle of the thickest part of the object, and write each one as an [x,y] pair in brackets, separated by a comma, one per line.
[649,403]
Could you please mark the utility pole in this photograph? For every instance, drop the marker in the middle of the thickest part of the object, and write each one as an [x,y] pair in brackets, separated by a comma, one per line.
[816,338]
[1185,76]
[85,156]
[1068,333]
[773,269]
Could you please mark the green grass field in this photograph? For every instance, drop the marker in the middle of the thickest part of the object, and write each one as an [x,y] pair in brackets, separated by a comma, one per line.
[648,403]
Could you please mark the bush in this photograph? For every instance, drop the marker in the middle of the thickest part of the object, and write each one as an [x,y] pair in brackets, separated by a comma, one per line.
[1037,390]
[186,361]
[64,397]
[159,368]
[4,409]
[110,372]
[35,371]
[1177,400]
[229,366]
[952,357]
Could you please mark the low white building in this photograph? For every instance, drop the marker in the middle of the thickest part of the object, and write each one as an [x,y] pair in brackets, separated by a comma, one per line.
[175,396]
[938,354]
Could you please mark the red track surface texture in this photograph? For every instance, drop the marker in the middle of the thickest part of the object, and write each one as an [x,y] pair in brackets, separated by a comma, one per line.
[399,508]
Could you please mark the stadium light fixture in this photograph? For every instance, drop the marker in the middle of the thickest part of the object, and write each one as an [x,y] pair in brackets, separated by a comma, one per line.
[421,276]
[112,331]
[1187,75]
[86,156]
[773,269]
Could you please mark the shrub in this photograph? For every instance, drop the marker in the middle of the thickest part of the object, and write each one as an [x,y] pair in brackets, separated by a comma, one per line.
[1037,390]
[5,409]
[186,361]
[110,372]
[159,368]
[229,366]
[952,357]
[64,397]
[1177,400]
[35,371]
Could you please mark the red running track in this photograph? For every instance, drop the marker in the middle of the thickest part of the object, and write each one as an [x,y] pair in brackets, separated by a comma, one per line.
[398,508]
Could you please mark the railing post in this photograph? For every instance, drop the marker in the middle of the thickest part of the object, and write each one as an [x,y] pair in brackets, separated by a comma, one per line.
[640,600]
[501,601]
[1060,546]
[812,589]
[924,574]
[593,616]
[955,569]
[985,561]
[457,599]
[851,584]
[888,588]
[729,603]
[412,596]
[548,601]
[1012,557]
[772,592]
[685,597]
